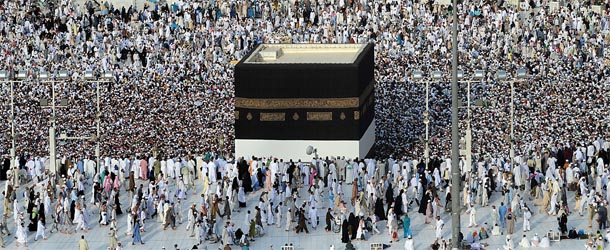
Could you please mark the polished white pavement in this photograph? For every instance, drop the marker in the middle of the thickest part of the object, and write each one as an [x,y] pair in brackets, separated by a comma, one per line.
[156,238]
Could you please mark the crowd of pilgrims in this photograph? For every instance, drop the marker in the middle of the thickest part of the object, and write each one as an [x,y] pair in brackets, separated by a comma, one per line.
[166,57]
[173,77]
[298,196]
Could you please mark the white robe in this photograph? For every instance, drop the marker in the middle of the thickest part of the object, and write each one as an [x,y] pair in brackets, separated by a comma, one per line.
[409,244]
[305,170]
[38,168]
[135,166]
[170,169]
[107,162]
[509,245]
[164,168]
[526,220]
[151,163]
[525,243]
[241,195]
[127,165]
[274,167]
[270,214]
[608,191]
[473,217]
[199,164]
[569,175]
[212,171]
[129,224]
[517,174]
[47,204]
[332,168]
[370,168]
[313,217]
[86,218]
[191,166]
[405,202]
[438,229]
[349,173]
[40,230]
[21,234]
[123,165]
[544,242]
[177,167]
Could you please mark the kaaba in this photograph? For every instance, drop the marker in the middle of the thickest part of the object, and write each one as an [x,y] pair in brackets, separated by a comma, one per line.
[290,96]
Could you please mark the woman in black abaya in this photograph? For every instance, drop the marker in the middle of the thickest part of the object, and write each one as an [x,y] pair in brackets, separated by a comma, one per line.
[31,198]
[41,214]
[345,231]
[423,203]
[72,210]
[244,176]
[353,225]
[117,202]
[235,185]
[33,226]
[398,205]
[379,211]
[389,196]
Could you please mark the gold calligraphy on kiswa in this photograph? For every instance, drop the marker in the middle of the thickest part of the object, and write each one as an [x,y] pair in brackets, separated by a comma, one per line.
[273,117]
[319,116]
[296,103]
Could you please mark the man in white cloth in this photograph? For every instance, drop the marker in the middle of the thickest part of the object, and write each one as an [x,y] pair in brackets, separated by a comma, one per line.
[135,166]
[509,245]
[313,217]
[170,169]
[274,167]
[527,215]
[409,243]
[288,220]
[545,242]
[525,242]
[40,230]
[438,228]
[21,234]
[535,240]
[177,168]
[212,171]
[473,216]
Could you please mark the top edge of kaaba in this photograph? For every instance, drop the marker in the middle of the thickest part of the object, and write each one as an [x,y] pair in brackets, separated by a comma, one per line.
[306,54]
[306,80]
